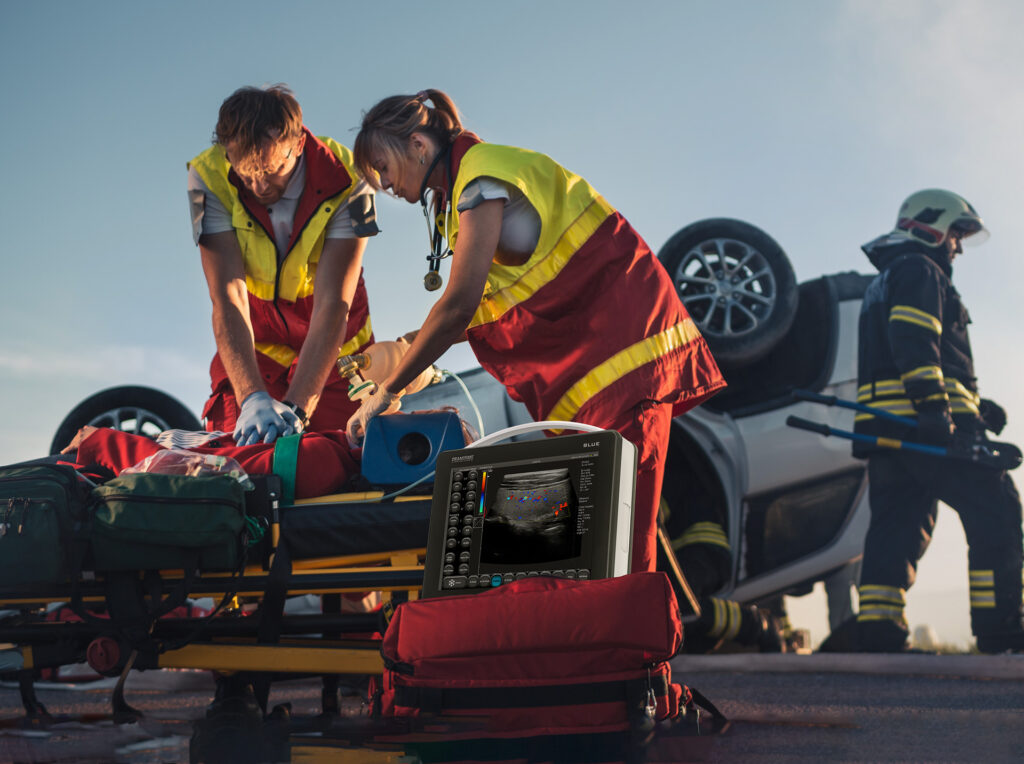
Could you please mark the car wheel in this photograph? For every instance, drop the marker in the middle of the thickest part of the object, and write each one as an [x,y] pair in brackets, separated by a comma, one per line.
[136,410]
[736,283]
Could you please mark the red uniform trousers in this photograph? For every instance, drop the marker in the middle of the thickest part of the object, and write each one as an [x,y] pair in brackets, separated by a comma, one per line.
[646,425]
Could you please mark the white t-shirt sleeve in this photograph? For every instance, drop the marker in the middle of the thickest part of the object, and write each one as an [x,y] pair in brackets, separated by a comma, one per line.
[208,214]
[520,223]
[341,225]
[480,190]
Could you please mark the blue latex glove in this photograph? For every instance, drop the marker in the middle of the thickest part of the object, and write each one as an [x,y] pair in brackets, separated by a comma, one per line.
[263,419]
[379,402]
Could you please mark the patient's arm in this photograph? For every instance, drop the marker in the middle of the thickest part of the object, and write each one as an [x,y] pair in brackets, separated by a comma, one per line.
[82,434]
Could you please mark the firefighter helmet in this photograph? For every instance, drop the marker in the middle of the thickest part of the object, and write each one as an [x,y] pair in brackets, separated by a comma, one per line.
[930,215]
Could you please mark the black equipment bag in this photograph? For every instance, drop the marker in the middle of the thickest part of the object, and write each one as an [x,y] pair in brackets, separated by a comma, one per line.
[41,505]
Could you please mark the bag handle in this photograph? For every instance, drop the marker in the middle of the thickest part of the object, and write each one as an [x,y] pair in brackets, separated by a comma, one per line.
[286,464]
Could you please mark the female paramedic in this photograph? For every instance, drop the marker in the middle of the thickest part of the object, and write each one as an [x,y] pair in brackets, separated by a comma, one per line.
[559,298]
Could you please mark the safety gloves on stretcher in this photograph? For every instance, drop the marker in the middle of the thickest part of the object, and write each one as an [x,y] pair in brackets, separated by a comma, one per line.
[377,403]
[264,420]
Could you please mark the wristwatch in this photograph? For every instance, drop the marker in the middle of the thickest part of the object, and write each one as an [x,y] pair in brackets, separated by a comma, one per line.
[299,412]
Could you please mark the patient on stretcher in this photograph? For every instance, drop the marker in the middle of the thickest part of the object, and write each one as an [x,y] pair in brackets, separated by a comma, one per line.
[327,463]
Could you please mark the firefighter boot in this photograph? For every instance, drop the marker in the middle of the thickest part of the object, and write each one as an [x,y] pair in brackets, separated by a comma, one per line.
[996,610]
[726,621]
[855,635]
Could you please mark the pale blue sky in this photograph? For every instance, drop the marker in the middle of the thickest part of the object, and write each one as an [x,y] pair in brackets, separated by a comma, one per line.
[811,119]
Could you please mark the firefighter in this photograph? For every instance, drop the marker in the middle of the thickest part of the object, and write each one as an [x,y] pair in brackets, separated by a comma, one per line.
[915,361]
[559,298]
[279,216]
[699,541]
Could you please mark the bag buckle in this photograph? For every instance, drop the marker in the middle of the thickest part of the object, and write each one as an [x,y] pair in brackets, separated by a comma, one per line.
[651,704]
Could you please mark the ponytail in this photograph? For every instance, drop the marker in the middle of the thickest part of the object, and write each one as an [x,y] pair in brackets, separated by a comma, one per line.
[388,126]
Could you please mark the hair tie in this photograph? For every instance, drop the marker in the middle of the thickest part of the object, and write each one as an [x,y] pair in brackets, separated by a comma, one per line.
[422,96]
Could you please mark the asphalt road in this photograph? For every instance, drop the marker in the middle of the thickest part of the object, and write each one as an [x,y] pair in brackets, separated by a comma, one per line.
[782,709]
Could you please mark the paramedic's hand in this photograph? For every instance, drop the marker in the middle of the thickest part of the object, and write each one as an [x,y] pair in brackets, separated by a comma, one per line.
[378,403]
[264,420]
[993,415]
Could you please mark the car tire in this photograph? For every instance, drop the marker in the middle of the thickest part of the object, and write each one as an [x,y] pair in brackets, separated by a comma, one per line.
[136,410]
[736,283]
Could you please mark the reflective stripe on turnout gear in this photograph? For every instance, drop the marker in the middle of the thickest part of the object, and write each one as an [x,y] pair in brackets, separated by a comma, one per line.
[890,394]
[982,588]
[726,624]
[916,317]
[879,603]
[702,533]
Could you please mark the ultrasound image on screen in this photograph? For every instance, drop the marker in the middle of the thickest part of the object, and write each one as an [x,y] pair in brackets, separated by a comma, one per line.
[531,519]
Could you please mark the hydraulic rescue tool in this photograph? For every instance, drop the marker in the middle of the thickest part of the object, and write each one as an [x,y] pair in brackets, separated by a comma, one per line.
[980,450]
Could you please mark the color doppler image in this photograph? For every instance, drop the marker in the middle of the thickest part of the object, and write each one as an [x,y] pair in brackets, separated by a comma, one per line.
[530,519]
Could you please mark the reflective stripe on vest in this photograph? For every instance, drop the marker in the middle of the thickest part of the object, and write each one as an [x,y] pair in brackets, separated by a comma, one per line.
[284,355]
[518,301]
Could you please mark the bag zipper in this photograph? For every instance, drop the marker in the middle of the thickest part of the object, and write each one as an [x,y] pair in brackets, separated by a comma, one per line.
[129,497]
[60,479]
[10,512]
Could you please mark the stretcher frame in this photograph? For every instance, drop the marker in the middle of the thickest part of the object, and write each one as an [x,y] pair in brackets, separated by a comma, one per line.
[333,644]
[346,645]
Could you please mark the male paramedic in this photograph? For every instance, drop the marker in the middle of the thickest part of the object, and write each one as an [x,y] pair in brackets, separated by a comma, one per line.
[915,361]
[280,217]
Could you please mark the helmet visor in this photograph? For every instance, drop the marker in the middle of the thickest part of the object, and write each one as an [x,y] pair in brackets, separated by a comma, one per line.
[971,231]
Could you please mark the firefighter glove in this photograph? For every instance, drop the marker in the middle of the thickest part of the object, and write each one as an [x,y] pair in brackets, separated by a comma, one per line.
[993,415]
[377,403]
[935,426]
[264,420]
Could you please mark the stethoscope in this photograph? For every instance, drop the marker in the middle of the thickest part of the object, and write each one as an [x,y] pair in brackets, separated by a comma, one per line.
[438,251]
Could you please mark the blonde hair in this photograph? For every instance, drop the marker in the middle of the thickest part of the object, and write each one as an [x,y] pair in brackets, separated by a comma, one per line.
[389,125]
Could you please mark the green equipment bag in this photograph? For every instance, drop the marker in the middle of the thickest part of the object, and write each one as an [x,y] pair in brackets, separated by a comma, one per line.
[148,521]
[40,505]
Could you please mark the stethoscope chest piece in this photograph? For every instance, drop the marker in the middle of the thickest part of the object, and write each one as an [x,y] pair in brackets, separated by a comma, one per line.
[432,281]
[436,226]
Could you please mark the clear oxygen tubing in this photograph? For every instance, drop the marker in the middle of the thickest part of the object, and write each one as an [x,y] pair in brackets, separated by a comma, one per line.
[469,397]
[496,437]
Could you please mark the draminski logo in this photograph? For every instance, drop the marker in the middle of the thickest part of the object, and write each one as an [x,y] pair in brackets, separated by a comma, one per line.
[462,459]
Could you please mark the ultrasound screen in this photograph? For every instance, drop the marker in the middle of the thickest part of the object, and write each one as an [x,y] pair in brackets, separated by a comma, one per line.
[531,518]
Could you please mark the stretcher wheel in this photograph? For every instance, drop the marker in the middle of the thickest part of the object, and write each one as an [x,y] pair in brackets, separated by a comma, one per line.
[104,656]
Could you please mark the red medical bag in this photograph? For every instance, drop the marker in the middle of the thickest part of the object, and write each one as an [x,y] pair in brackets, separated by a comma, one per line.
[538,657]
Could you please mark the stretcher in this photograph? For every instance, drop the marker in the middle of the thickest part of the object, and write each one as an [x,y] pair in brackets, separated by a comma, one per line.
[327,546]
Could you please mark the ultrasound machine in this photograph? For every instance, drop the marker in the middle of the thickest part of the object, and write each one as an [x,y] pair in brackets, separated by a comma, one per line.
[559,507]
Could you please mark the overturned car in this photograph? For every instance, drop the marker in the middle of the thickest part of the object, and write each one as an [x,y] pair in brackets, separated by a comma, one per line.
[791,506]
